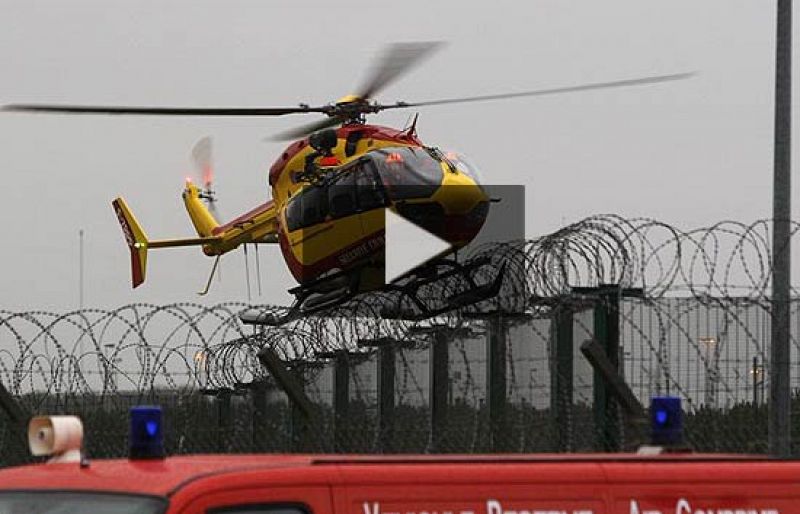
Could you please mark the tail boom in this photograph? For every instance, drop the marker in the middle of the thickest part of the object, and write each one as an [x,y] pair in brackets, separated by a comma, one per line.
[258,225]
[138,243]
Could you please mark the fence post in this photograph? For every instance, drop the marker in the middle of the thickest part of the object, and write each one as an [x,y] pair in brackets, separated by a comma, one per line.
[341,400]
[496,383]
[385,383]
[606,332]
[258,396]
[299,426]
[561,376]
[386,376]
[780,401]
[224,421]
[615,385]
[608,436]
[439,382]
[289,377]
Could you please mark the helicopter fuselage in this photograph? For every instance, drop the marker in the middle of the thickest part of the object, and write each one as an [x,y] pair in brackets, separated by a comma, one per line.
[333,221]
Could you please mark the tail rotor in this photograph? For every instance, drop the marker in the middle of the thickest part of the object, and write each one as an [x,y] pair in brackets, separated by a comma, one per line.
[202,155]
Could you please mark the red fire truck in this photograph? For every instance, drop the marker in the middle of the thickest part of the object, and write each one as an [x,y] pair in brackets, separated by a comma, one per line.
[303,484]
[149,483]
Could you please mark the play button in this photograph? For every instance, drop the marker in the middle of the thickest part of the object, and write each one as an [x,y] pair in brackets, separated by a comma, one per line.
[408,246]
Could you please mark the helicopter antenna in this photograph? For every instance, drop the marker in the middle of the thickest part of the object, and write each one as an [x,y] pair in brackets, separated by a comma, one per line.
[412,130]
[247,273]
[258,271]
[210,277]
[408,122]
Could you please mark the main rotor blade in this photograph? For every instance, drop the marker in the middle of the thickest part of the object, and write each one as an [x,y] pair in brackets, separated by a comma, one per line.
[305,130]
[396,60]
[542,92]
[162,111]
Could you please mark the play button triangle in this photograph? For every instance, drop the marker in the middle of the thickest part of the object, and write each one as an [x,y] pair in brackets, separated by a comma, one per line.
[408,245]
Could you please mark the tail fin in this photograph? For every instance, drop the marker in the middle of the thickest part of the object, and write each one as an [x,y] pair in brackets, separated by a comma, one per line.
[203,221]
[136,239]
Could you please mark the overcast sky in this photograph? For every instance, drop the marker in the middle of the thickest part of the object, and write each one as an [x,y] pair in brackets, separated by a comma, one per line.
[689,153]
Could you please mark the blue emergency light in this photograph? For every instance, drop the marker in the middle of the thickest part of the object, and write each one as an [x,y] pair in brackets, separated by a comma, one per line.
[666,420]
[146,435]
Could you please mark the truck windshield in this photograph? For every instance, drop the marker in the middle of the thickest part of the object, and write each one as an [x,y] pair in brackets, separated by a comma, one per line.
[44,502]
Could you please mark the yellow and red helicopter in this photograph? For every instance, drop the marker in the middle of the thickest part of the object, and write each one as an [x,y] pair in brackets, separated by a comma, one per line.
[330,187]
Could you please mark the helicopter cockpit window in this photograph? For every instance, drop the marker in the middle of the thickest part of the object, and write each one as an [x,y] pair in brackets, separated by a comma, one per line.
[370,191]
[342,199]
[308,208]
[408,172]
[356,189]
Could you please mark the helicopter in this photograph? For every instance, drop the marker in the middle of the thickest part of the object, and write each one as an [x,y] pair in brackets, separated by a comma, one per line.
[333,183]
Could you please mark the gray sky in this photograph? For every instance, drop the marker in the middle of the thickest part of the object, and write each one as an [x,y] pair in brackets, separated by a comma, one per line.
[689,153]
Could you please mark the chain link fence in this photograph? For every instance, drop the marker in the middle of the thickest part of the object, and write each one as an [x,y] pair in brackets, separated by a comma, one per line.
[504,375]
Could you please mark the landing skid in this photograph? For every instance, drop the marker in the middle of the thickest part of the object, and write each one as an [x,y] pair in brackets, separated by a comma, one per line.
[434,274]
[417,295]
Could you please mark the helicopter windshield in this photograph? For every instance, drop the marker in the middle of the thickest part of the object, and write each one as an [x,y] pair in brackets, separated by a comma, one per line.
[408,172]
[464,165]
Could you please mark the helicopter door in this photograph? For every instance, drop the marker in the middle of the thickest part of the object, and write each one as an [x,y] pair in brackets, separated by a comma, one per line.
[345,239]
[371,199]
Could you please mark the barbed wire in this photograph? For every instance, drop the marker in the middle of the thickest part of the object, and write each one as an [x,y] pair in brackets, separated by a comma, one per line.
[704,282]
